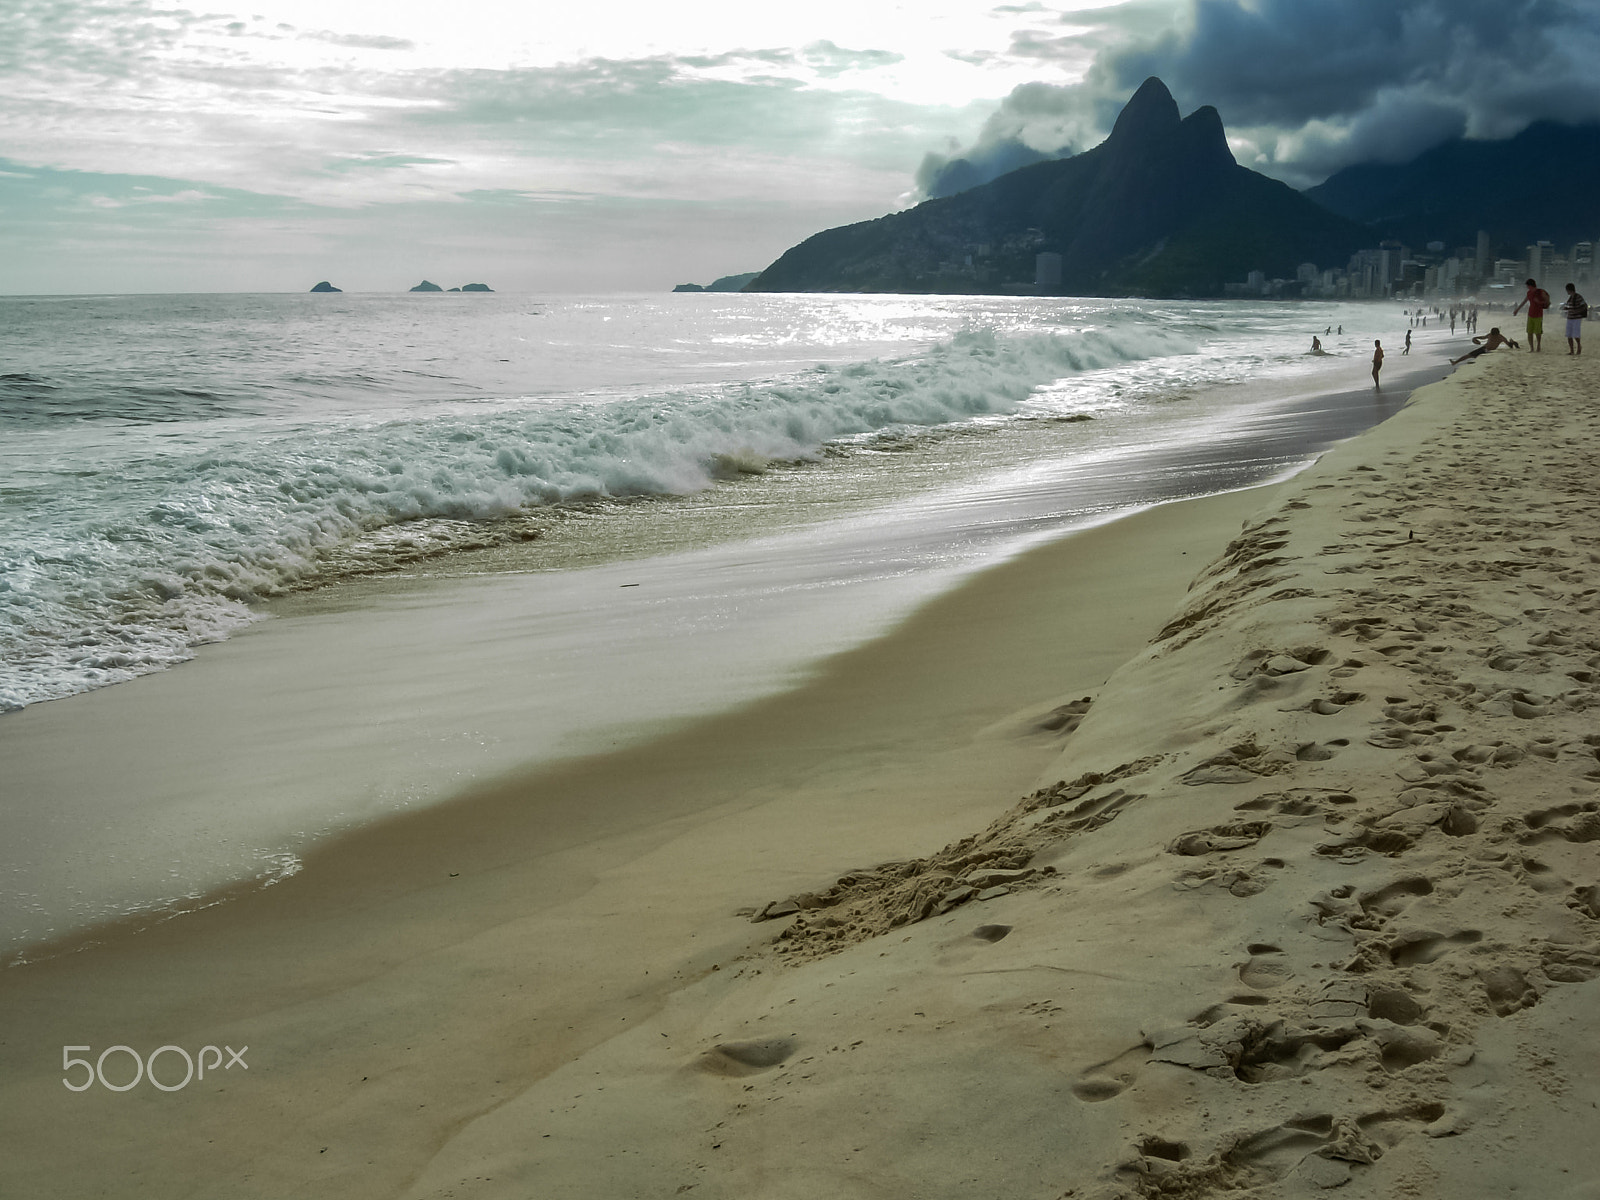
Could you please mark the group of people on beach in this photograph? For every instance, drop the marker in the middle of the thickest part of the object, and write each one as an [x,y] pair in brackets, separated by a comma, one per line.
[1465,314]
[1574,308]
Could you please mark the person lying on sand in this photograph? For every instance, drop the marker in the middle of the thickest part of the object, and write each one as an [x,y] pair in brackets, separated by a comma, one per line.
[1490,340]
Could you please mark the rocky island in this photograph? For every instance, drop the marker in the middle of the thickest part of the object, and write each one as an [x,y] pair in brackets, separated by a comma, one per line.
[428,285]
[728,283]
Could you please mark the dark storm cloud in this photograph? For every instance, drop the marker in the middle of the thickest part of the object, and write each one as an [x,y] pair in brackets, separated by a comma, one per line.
[1283,62]
[945,175]
[1308,86]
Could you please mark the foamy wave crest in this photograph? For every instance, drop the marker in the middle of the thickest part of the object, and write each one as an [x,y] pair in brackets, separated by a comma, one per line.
[150,558]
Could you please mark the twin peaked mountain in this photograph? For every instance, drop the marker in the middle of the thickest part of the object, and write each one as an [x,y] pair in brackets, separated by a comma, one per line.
[1160,208]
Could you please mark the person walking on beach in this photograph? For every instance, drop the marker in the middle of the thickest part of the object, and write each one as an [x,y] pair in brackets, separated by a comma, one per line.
[1407,350]
[1490,340]
[1537,301]
[1576,309]
[1377,363]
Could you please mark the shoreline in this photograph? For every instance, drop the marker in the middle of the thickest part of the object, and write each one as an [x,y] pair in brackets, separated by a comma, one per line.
[936,724]
[1382,991]
[160,793]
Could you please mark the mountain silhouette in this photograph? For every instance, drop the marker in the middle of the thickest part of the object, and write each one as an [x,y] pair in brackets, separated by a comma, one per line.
[1520,189]
[1159,208]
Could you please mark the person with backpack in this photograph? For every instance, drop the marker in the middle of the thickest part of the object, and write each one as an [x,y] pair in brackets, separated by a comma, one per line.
[1576,308]
[1537,301]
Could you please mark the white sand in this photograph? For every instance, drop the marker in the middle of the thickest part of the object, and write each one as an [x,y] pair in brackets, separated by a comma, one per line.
[1308,901]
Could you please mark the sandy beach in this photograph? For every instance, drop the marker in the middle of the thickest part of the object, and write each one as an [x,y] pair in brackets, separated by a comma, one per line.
[1245,845]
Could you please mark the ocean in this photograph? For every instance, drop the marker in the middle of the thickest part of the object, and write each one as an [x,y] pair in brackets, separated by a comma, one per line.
[176,470]
[167,462]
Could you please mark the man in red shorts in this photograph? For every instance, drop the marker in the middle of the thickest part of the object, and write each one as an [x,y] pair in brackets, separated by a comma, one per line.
[1537,301]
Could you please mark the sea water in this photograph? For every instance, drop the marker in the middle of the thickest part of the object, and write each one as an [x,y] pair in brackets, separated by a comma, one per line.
[168,462]
[641,508]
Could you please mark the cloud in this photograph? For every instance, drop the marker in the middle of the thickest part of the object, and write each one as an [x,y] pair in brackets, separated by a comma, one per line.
[65,231]
[1308,86]
[361,41]
[259,105]
[378,160]
[1289,61]
[44,192]
[143,195]
[945,175]
[1396,127]
[327,114]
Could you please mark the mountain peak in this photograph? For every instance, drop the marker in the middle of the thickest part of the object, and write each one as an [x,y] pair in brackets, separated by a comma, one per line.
[1150,112]
[1159,208]
[1204,130]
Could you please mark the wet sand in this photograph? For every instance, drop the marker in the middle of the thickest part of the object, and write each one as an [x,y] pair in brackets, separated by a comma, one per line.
[1307,898]
[421,973]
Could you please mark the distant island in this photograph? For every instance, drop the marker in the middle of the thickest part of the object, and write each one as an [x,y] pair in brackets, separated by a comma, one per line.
[728,283]
[325,286]
[429,286]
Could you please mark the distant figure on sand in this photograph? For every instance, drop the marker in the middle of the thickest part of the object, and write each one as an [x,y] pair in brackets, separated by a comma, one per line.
[1407,350]
[1490,340]
[1576,309]
[1377,361]
[1537,301]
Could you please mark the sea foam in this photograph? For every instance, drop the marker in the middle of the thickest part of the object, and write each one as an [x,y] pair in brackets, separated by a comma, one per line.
[149,553]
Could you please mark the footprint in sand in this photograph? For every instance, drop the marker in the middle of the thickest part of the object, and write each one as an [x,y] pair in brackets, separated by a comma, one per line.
[1414,949]
[1112,1077]
[1237,835]
[1568,822]
[1586,900]
[1508,990]
[1320,751]
[1298,802]
[1328,706]
[1262,972]
[1065,718]
[746,1058]
[1392,899]
[1315,1151]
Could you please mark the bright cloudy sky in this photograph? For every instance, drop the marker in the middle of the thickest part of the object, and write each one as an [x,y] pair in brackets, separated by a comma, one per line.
[267,144]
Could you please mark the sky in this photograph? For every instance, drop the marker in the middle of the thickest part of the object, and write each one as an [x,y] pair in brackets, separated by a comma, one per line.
[264,145]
